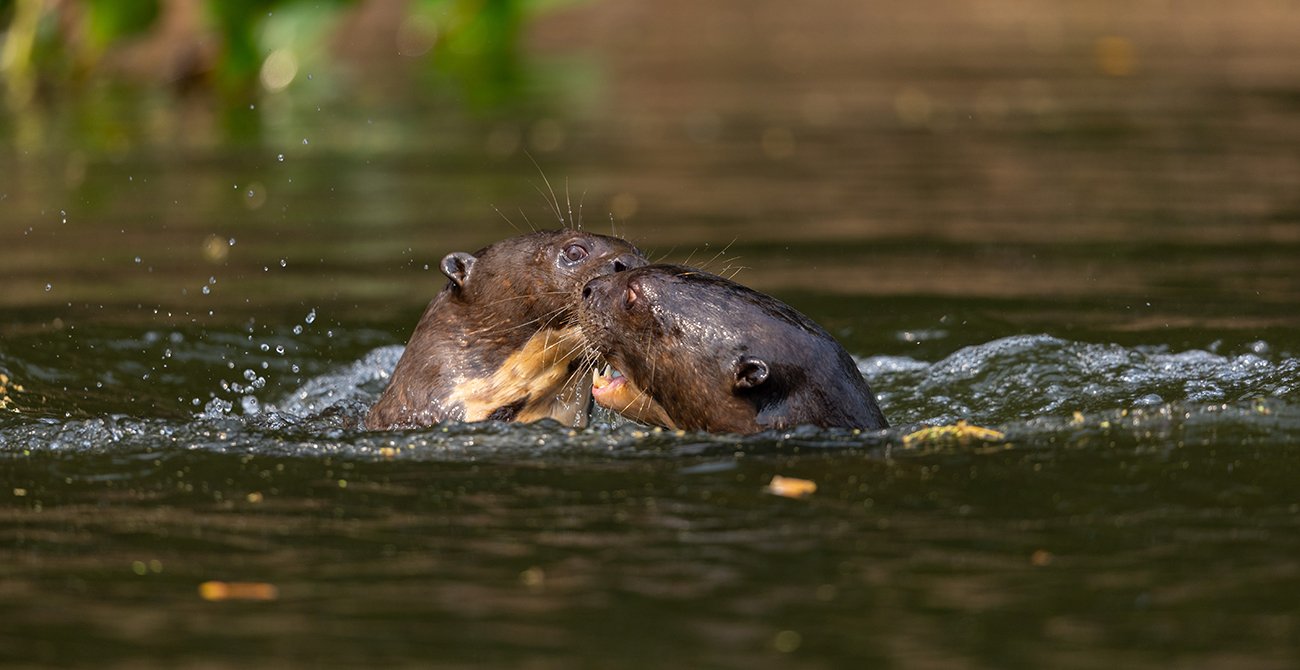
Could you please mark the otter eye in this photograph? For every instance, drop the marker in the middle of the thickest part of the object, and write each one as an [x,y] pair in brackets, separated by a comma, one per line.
[575,252]
[629,298]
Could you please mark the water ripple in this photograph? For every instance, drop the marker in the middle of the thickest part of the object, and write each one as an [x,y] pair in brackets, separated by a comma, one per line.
[1039,389]
[1025,376]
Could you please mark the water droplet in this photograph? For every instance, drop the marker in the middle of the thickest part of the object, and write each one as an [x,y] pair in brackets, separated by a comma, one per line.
[311,316]
[216,408]
[212,280]
[265,347]
[297,330]
[280,157]
[1148,400]
[206,290]
[284,263]
[232,242]
[304,140]
[49,287]
[137,260]
[279,349]
[250,375]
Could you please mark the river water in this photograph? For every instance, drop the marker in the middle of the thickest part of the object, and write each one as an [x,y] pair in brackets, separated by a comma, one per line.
[1076,226]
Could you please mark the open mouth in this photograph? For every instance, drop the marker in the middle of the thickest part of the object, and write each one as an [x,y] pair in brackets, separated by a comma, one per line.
[610,388]
[614,391]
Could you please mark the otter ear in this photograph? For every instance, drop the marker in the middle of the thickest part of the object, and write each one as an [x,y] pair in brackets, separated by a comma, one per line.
[457,266]
[750,372]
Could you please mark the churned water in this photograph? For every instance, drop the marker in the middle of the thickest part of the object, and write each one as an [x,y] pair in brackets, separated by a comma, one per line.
[1142,508]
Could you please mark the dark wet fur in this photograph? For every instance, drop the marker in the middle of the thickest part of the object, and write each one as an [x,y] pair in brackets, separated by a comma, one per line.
[687,330]
[515,290]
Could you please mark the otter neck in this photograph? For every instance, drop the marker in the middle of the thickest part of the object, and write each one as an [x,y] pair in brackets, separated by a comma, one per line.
[527,368]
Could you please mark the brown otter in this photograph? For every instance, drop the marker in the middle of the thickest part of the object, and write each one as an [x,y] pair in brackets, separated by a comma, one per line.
[499,342]
[700,352]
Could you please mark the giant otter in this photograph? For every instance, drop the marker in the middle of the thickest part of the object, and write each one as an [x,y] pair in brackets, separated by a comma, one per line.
[500,341]
[700,352]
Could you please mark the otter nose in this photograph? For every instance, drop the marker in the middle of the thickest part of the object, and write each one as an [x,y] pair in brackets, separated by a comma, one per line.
[626,262]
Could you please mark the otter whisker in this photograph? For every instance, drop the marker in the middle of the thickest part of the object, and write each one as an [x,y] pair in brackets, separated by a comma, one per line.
[581,199]
[568,202]
[736,269]
[498,327]
[523,297]
[666,255]
[527,220]
[507,219]
[554,201]
[553,206]
[644,388]
[584,367]
[552,315]
[571,382]
[690,256]
[705,265]
[569,355]
[549,316]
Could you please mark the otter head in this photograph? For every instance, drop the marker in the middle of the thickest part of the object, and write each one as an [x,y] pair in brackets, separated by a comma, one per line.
[699,352]
[530,282]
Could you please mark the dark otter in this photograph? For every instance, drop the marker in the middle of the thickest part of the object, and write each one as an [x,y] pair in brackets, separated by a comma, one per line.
[500,341]
[700,352]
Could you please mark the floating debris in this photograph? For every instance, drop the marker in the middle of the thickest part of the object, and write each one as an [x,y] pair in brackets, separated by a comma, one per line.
[214,591]
[791,487]
[961,433]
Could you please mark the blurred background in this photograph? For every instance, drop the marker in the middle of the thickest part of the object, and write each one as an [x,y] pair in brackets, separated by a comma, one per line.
[1131,164]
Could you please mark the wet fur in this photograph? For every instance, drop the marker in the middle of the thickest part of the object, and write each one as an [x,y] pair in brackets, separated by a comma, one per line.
[717,356]
[499,341]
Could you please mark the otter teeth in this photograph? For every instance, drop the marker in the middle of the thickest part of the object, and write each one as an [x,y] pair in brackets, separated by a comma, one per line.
[600,378]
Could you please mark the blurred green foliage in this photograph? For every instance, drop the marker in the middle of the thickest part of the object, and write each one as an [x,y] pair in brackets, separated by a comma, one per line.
[226,45]
[110,20]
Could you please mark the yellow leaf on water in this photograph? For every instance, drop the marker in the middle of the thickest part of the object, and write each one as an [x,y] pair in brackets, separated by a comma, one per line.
[960,433]
[214,591]
[791,487]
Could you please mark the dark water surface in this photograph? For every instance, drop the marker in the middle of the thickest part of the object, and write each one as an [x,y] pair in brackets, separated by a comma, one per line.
[1000,220]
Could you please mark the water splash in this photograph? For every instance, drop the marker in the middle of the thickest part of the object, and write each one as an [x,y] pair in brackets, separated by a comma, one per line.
[1041,390]
[1025,376]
